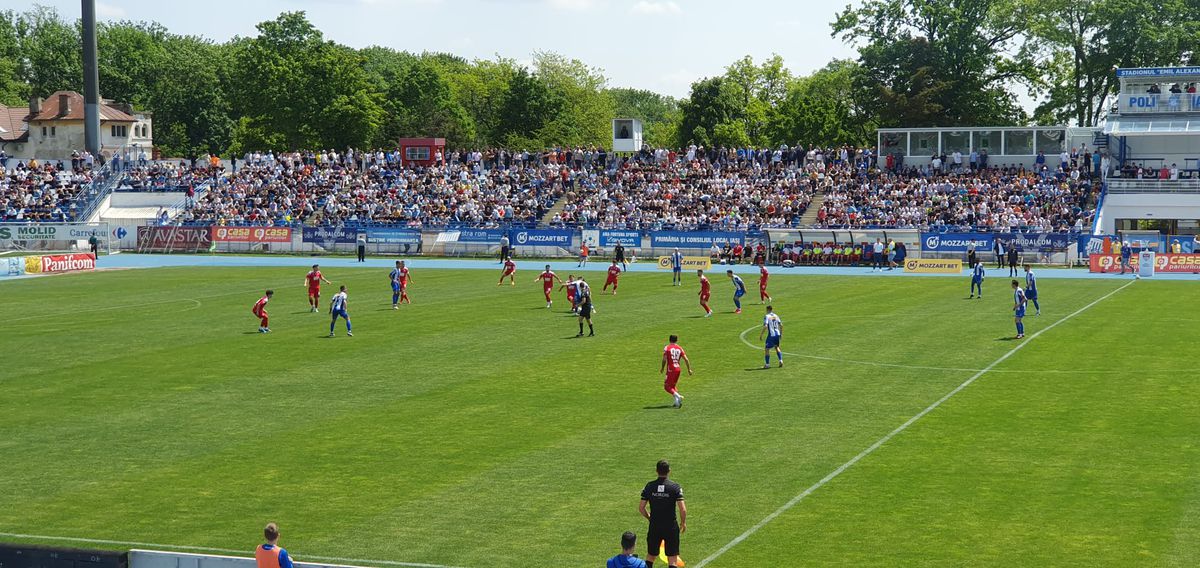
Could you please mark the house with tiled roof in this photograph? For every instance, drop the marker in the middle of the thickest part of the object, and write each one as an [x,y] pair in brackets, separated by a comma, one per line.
[51,129]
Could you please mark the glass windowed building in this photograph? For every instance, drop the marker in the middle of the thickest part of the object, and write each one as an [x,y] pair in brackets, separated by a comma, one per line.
[1002,145]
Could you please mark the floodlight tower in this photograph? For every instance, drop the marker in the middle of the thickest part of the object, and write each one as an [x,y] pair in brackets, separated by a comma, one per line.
[91,81]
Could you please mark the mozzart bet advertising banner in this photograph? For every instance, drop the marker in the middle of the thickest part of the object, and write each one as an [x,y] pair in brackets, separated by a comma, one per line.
[689,263]
[694,239]
[252,234]
[933,266]
[955,242]
[959,242]
[174,239]
[541,237]
[1166,262]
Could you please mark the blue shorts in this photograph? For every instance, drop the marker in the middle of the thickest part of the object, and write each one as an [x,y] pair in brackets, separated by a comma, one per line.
[739,293]
[396,287]
[1020,313]
[773,341]
[1030,294]
[976,280]
[340,313]
[677,269]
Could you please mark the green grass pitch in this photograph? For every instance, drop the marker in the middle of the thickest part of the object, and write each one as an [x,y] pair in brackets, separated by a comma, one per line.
[471,428]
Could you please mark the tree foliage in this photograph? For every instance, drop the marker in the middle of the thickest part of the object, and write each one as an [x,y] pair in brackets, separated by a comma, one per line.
[919,63]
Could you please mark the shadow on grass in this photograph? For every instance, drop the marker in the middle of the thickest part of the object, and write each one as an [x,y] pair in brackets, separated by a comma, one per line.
[663,407]
[757,369]
[1009,338]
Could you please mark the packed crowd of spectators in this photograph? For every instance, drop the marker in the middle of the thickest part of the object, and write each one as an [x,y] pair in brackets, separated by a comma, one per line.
[41,192]
[334,188]
[687,189]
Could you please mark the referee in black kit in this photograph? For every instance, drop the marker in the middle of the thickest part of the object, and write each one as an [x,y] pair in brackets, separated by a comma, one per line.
[663,496]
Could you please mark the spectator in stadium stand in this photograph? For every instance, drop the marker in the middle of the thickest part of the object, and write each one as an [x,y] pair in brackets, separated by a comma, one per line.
[626,559]
[270,555]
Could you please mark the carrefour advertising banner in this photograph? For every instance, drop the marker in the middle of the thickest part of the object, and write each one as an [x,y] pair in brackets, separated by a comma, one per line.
[329,235]
[1041,242]
[955,242]
[694,239]
[612,238]
[541,237]
[47,232]
[393,236]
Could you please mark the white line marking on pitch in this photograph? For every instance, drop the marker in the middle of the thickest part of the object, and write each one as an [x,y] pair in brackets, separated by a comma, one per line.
[880,442]
[298,557]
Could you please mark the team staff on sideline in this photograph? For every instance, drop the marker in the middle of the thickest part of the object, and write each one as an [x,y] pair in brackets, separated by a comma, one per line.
[977,274]
[504,250]
[1012,260]
[663,497]
[619,255]
[361,241]
[626,559]
[270,555]
[877,255]
[773,327]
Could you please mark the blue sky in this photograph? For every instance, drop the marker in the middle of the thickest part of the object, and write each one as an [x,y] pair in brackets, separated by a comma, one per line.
[660,45]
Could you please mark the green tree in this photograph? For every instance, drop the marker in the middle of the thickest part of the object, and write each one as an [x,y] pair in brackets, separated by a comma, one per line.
[713,101]
[131,59]
[586,113]
[293,89]
[13,90]
[1080,42]
[51,58]
[420,103]
[939,62]
[189,98]
[823,108]
[525,109]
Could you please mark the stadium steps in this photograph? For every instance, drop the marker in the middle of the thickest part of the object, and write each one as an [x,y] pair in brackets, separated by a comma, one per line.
[553,210]
[809,218]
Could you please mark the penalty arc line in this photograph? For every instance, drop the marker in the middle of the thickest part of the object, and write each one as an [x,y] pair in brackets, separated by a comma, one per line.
[224,550]
[880,442]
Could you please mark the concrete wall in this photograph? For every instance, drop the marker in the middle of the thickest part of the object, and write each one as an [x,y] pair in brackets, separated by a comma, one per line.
[156,559]
[1147,206]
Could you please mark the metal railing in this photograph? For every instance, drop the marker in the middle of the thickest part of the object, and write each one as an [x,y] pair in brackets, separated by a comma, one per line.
[1178,186]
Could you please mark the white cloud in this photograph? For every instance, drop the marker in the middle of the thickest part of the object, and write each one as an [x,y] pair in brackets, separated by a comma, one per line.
[108,11]
[649,7]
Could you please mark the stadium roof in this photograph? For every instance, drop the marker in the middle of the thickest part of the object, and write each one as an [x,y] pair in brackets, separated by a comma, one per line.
[1131,126]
